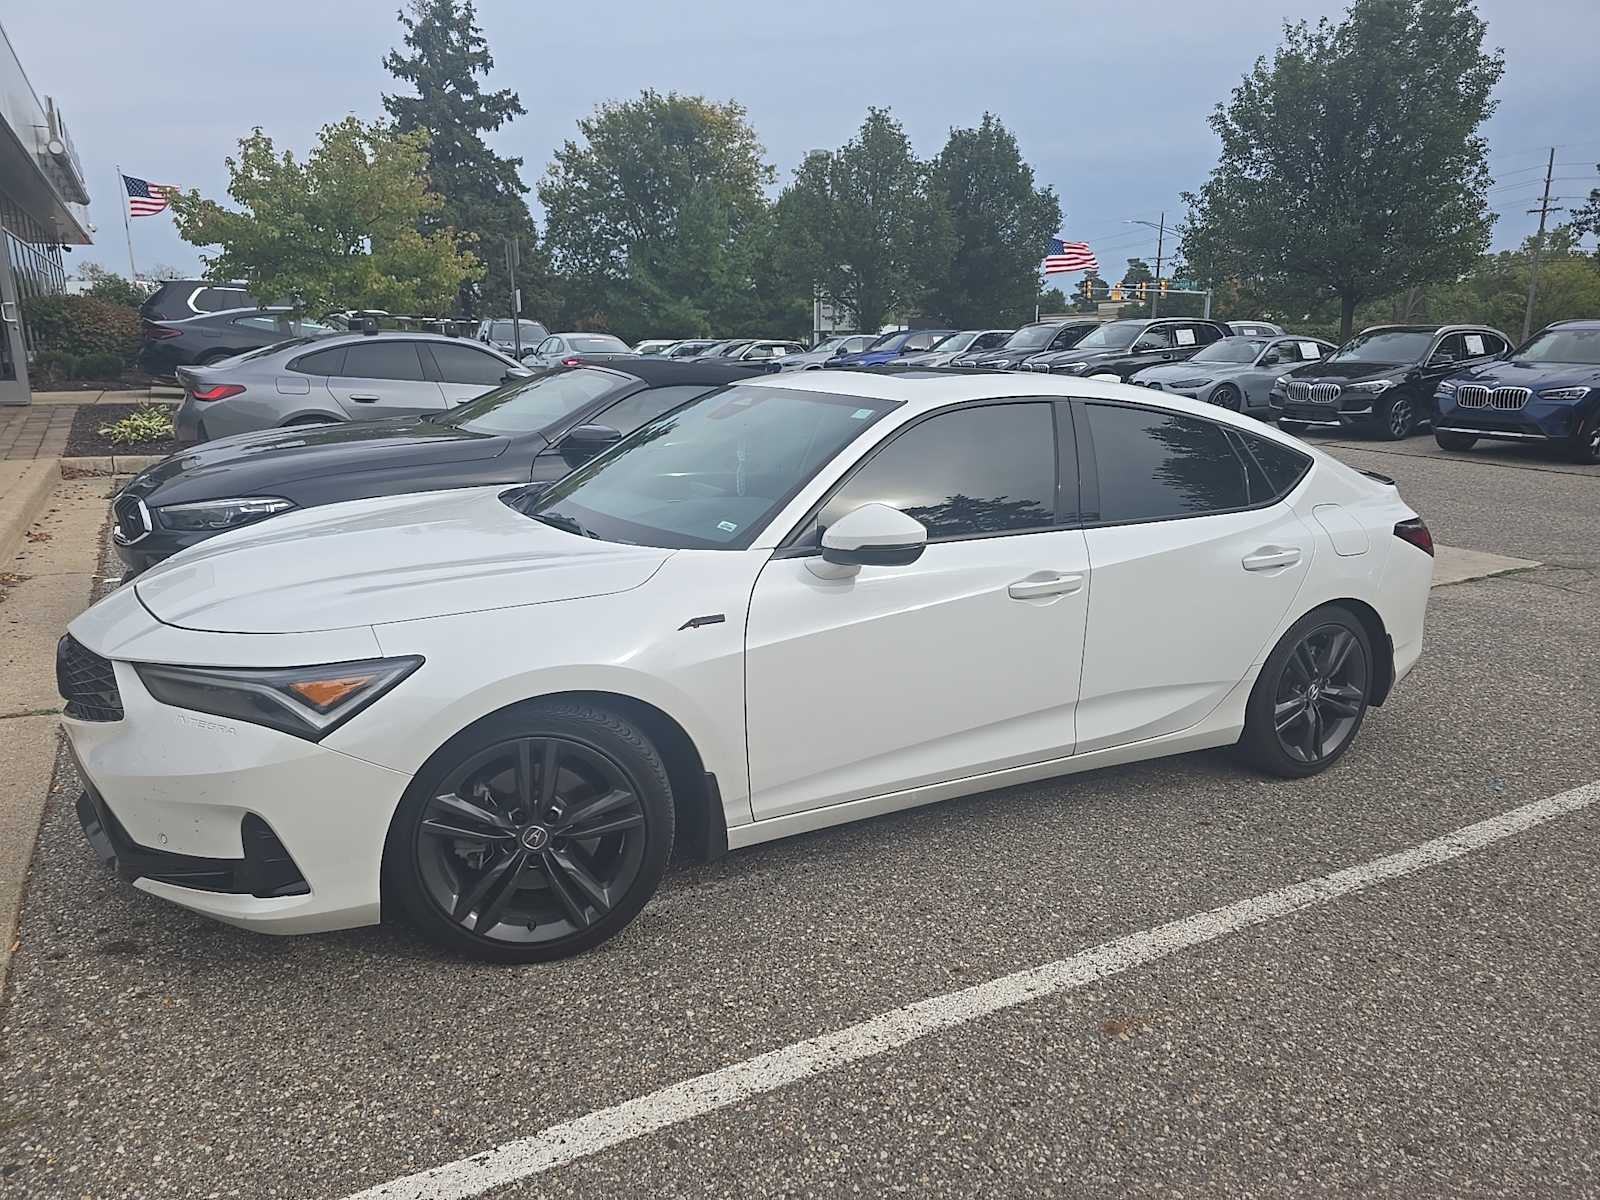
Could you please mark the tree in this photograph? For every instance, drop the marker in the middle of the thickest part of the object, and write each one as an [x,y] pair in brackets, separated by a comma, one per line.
[1351,164]
[1000,226]
[483,191]
[653,220]
[1050,300]
[859,225]
[340,230]
[106,284]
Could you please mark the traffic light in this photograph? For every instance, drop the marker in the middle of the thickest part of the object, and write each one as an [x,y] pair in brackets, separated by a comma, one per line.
[1086,288]
[1116,292]
[1165,284]
[1144,290]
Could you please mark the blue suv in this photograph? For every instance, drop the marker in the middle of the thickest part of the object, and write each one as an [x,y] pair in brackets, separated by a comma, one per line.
[891,346]
[1547,390]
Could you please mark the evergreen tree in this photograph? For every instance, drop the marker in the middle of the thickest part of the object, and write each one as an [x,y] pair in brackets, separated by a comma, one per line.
[483,191]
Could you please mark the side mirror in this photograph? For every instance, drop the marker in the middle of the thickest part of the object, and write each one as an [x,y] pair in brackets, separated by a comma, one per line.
[874,535]
[590,437]
[515,373]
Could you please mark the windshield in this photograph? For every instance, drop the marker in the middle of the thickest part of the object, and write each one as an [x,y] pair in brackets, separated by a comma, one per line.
[1031,337]
[711,474]
[883,340]
[533,403]
[596,343]
[501,331]
[1113,336]
[1232,350]
[1384,346]
[1563,346]
[954,342]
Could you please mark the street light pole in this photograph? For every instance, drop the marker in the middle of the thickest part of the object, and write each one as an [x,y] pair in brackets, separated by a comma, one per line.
[1161,242]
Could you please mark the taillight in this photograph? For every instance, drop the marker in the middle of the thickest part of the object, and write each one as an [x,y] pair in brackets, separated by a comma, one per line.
[1415,532]
[160,333]
[570,362]
[223,390]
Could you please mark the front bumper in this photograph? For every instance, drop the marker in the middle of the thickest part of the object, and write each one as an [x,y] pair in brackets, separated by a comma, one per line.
[211,813]
[1538,420]
[1330,416]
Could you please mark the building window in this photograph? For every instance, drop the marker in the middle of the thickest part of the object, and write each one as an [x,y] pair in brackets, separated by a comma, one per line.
[35,261]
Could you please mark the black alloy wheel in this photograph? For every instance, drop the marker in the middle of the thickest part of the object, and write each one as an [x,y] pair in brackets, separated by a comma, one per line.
[535,835]
[1311,695]
[1227,396]
[1398,419]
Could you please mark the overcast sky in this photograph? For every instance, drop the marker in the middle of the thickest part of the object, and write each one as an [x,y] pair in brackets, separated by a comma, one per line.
[1109,102]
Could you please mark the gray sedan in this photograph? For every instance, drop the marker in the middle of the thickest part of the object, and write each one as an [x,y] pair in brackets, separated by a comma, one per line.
[349,377]
[813,359]
[1235,372]
[558,347]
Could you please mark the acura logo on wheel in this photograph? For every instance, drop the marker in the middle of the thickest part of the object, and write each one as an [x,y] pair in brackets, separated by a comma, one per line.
[535,837]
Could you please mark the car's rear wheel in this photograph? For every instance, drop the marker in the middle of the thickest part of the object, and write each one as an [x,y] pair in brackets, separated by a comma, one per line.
[1227,396]
[534,835]
[1311,695]
[1397,418]
[1586,445]
[1455,441]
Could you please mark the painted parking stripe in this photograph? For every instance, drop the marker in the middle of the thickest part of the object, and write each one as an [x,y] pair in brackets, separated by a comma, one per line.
[607,1127]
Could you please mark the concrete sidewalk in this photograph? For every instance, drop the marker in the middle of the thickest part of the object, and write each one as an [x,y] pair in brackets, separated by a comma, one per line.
[154,394]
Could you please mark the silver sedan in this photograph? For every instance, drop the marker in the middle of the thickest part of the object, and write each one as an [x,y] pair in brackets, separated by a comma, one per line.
[350,377]
[1234,372]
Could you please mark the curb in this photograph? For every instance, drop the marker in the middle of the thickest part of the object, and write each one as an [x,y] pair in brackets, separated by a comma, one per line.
[114,464]
[21,502]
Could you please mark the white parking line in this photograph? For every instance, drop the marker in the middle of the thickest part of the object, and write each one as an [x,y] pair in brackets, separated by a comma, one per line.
[607,1127]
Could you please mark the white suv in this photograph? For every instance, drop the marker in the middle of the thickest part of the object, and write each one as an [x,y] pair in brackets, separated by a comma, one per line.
[795,602]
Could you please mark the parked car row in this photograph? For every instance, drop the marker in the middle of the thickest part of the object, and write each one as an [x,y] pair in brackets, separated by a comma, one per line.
[780,603]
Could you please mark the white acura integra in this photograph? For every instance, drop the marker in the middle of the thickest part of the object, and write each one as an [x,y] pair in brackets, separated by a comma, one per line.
[792,603]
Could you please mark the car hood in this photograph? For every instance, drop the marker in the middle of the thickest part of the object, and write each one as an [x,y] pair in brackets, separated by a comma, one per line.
[1514,373]
[990,358]
[397,558]
[1163,372]
[1352,372]
[1093,355]
[255,463]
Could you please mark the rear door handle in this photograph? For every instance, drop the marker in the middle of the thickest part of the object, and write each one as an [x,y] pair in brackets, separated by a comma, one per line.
[1045,584]
[1269,558]
[365,399]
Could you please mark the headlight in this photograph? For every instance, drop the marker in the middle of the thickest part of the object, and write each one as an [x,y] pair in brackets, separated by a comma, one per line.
[221,514]
[1372,386]
[1445,388]
[308,702]
[1190,383]
[1282,381]
[1568,393]
[1071,368]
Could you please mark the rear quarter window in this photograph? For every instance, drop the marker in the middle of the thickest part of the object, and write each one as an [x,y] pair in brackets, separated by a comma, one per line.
[320,362]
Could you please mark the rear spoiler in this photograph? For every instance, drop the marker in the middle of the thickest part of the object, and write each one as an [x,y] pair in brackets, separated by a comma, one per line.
[1380,478]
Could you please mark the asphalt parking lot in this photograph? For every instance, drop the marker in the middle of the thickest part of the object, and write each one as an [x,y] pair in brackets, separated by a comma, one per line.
[1429,1033]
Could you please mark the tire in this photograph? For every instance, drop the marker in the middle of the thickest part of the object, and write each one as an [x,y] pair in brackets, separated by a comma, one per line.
[481,836]
[1297,428]
[1455,441]
[1586,445]
[1303,714]
[1397,420]
[1227,396]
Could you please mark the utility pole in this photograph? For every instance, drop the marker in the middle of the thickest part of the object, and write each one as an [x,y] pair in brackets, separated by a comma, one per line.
[122,190]
[1161,239]
[513,261]
[1544,210]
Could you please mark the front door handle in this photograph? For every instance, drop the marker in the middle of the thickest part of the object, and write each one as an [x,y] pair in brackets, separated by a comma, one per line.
[1045,584]
[365,399]
[1270,558]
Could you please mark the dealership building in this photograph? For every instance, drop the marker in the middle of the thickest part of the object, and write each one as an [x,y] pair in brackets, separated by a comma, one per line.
[43,207]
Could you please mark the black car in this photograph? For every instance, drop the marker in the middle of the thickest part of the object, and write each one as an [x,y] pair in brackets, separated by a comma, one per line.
[1118,349]
[1041,337]
[528,431]
[1382,379]
[177,299]
[200,341]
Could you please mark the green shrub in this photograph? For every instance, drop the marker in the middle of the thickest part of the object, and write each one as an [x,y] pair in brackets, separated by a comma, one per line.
[51,366]
[84,325]
[148,423]
[98,366]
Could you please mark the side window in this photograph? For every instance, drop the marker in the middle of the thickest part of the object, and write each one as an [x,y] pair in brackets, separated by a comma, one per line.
[921,341]
[461,363]
[1276,356]
[374,359]
[1449,349]
[320,362]
[975,471]
[1478,344]
[1205,334]
[1312,351]
[761,351]
[1154,465]
[1159,338]
[629,413]
[1065,338]
[987,341]
[1272,471]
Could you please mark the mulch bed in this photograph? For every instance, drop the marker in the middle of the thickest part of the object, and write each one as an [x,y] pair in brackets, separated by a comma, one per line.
[85,439]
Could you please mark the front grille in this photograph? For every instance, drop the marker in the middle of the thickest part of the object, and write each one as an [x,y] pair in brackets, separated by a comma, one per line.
[130,519]
[86,682]
[1313,393]
[1476,395]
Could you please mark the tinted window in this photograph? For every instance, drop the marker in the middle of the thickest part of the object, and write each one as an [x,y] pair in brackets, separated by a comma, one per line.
[1205,334]
[375,359]
[323,362]
[1384,346]
[990,469]
[1154,465]
[1159,338]
[220,299]
[262,324]
[988,341]
[628,414]
[1273,470]
[460,363]
[534,403]
[1450,349]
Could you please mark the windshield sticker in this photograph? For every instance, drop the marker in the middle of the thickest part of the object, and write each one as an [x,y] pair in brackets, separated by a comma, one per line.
[1474,343]
[1185,336]
[1310,350]
[728,526]
[861,414]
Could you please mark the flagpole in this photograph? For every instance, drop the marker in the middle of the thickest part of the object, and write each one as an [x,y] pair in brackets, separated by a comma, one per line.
[122,186]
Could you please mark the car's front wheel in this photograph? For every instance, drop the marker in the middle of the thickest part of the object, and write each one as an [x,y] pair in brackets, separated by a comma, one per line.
[1310,698]
[1586,445]
[533,835]
[1227,396]
[1454,441]
[1397,418]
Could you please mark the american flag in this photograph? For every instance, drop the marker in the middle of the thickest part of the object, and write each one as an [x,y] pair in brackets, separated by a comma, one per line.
[1069,256]
[145,199]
